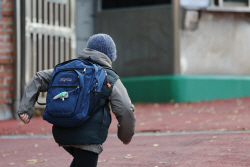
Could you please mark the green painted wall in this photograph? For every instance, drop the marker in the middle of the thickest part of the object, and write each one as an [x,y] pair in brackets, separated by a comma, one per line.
[186,88]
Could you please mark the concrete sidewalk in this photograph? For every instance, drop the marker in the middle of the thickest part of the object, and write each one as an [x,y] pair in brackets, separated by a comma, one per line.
[207,134]
[177,150]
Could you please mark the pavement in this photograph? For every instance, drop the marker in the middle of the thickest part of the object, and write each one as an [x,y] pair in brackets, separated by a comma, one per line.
[208,134]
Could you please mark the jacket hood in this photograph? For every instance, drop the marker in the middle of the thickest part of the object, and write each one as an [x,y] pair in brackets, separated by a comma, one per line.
[95,56]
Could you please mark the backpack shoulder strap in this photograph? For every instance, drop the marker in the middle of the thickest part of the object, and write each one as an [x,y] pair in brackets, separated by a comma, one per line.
[110,79]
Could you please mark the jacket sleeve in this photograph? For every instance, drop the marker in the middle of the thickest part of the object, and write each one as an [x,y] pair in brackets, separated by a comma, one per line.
[38,83]
[124,111]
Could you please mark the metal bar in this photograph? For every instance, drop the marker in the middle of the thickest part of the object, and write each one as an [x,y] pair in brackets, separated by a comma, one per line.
[34,11]
[39,53]
[220,3]
[73,38]
[61,15]
[61,49]
[18,57]
[67,14]
[51,16]
[45,44]
[99,5]
[27,11]
[45,12]
[39,11]
[56,50]
[27,41]
[212,3]
[45,41]
[72,14]
[67,48]
[56,15]
[51,55]
[62,58]
[34,54]
[176,4]
[39,49]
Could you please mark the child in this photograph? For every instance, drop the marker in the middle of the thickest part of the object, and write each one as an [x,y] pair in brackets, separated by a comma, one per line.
[84,143]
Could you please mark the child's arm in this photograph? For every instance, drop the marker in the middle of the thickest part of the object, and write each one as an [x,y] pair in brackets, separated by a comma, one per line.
[38,83]
[124,112]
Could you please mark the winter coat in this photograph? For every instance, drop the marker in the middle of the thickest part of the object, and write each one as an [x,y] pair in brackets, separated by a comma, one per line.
[118,98]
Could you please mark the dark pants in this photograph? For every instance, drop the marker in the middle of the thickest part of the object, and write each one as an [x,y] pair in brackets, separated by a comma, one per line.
[82,158]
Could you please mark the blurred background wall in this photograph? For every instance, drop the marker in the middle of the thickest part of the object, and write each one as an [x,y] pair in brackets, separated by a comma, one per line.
[218,43]
[144,39]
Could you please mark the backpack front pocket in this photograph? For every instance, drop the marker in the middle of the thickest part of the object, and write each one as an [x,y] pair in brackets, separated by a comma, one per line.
[63,101]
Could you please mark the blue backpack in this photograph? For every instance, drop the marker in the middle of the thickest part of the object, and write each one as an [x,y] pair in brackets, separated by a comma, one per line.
[74,93]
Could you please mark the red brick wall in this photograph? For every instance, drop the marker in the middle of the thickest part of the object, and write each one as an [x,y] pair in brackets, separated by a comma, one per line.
[6,59]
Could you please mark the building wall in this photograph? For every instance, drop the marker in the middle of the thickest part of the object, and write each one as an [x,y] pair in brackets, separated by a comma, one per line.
[144,39]
[219,45]
[6,59]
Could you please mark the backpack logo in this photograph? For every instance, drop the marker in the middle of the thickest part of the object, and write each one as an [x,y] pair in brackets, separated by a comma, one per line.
[65,79]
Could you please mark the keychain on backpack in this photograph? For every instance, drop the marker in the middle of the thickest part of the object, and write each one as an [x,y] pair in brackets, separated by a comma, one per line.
[64,95]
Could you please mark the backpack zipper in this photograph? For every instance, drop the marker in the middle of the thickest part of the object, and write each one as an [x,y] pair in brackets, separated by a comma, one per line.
[108,84]
[64,86]
[68,69]
[75,80]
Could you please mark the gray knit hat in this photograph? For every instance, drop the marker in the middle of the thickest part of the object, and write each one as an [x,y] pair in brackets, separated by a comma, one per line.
[103,43]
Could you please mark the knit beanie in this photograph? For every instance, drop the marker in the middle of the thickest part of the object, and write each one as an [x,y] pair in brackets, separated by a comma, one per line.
[103,43]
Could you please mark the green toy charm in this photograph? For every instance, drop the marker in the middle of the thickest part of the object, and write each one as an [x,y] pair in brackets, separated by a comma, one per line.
[61,95]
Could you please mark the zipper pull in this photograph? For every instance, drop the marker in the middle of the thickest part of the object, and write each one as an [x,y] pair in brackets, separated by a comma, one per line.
[108,84]
[96,86]
[84,71]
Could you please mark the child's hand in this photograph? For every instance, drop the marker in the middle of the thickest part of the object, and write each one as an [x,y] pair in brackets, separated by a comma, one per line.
[25,118]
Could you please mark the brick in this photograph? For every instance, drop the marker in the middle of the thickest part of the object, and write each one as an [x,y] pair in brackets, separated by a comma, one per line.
[1,95]
[1,80]
[3,101]
[8,95]
[1,25]
[9,26]
[11,19]
[7,67]
[6,13]
[5,74]
[2,54]
[9,40]
[5,46]
[5,61]
[8,53]
[5,88]
[5,32]
[5,6]
[1,39]
[9,81]
[4,19]
[8,29]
